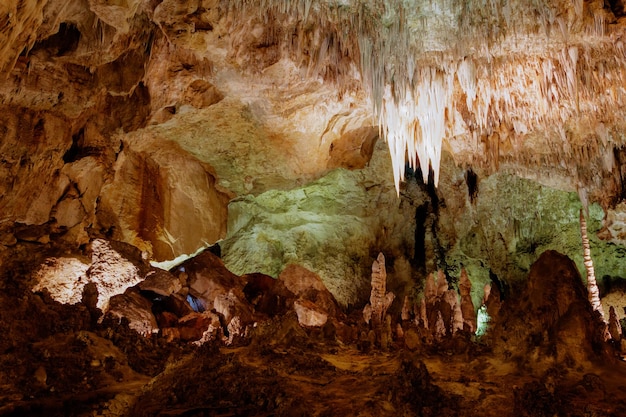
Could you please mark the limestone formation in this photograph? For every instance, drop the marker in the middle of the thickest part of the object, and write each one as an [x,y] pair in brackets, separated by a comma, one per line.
[217,289]
[380,299]
[592,285]
[467,306]
[310,315]
[314,304]
[136,309]
[615,328]
[113,268]
[406,309]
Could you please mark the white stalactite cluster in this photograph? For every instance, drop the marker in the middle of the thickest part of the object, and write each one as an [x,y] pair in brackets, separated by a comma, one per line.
[415,124]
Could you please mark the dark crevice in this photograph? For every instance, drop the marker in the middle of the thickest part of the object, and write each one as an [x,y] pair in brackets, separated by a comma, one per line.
[502,286]
[419,256]
[77,143]
[472,184]
[618,7]
[64,42]
[79,150]
[619,154]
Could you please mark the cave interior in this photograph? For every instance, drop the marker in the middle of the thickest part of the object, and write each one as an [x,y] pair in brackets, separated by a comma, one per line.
[313,208]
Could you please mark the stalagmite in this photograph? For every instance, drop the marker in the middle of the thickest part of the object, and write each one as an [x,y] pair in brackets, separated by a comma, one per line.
[439,331]
[456,315]
[406,309]
[380,299]
[615,329]
[423,313]
[592,285]
[467,306]
[442,283]
[430,290]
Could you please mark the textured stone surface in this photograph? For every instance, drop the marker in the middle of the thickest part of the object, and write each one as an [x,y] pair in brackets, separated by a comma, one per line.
[571,332]
[332,226]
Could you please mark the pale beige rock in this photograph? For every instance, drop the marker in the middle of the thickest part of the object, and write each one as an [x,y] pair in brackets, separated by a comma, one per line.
[314,304]
[163,200]
[111,272]
[63,278]
[161,282]
[309,314]
[69,212]
[136,309]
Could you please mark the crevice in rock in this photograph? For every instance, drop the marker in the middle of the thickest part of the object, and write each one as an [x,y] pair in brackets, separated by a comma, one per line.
[64,42]
[471,179]
[419,256]
[617,7]
[619,154]
[501,285]
[74,152]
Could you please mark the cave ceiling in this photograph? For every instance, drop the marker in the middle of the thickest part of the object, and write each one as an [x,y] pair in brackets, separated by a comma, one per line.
[133,119]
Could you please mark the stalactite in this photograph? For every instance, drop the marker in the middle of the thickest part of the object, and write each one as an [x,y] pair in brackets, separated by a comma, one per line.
[416,74]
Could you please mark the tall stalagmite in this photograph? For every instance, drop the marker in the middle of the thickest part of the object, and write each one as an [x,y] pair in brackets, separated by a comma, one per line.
[592,285]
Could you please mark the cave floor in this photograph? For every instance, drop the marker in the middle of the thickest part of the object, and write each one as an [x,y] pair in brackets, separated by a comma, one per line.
[298,377]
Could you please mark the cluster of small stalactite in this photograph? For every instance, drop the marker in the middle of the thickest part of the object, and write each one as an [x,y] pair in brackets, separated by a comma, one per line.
[456,69]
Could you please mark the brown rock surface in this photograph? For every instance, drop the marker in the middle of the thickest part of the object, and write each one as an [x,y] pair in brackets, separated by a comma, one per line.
[562,325]
[309,288]
[136,309]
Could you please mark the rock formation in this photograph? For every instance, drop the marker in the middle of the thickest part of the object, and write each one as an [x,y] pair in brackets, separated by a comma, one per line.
[592,285]
[467,309]
[614,326]
[380,299]
[564,326]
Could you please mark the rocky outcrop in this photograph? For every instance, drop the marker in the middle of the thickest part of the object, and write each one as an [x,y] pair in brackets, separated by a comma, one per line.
[313,303]
[560,324]
[112,267]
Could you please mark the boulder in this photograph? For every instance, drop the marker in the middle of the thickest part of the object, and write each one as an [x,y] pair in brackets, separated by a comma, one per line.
[216,288]
[314,304]
[309,314]
[161,282]
[136,309]
[196,326]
